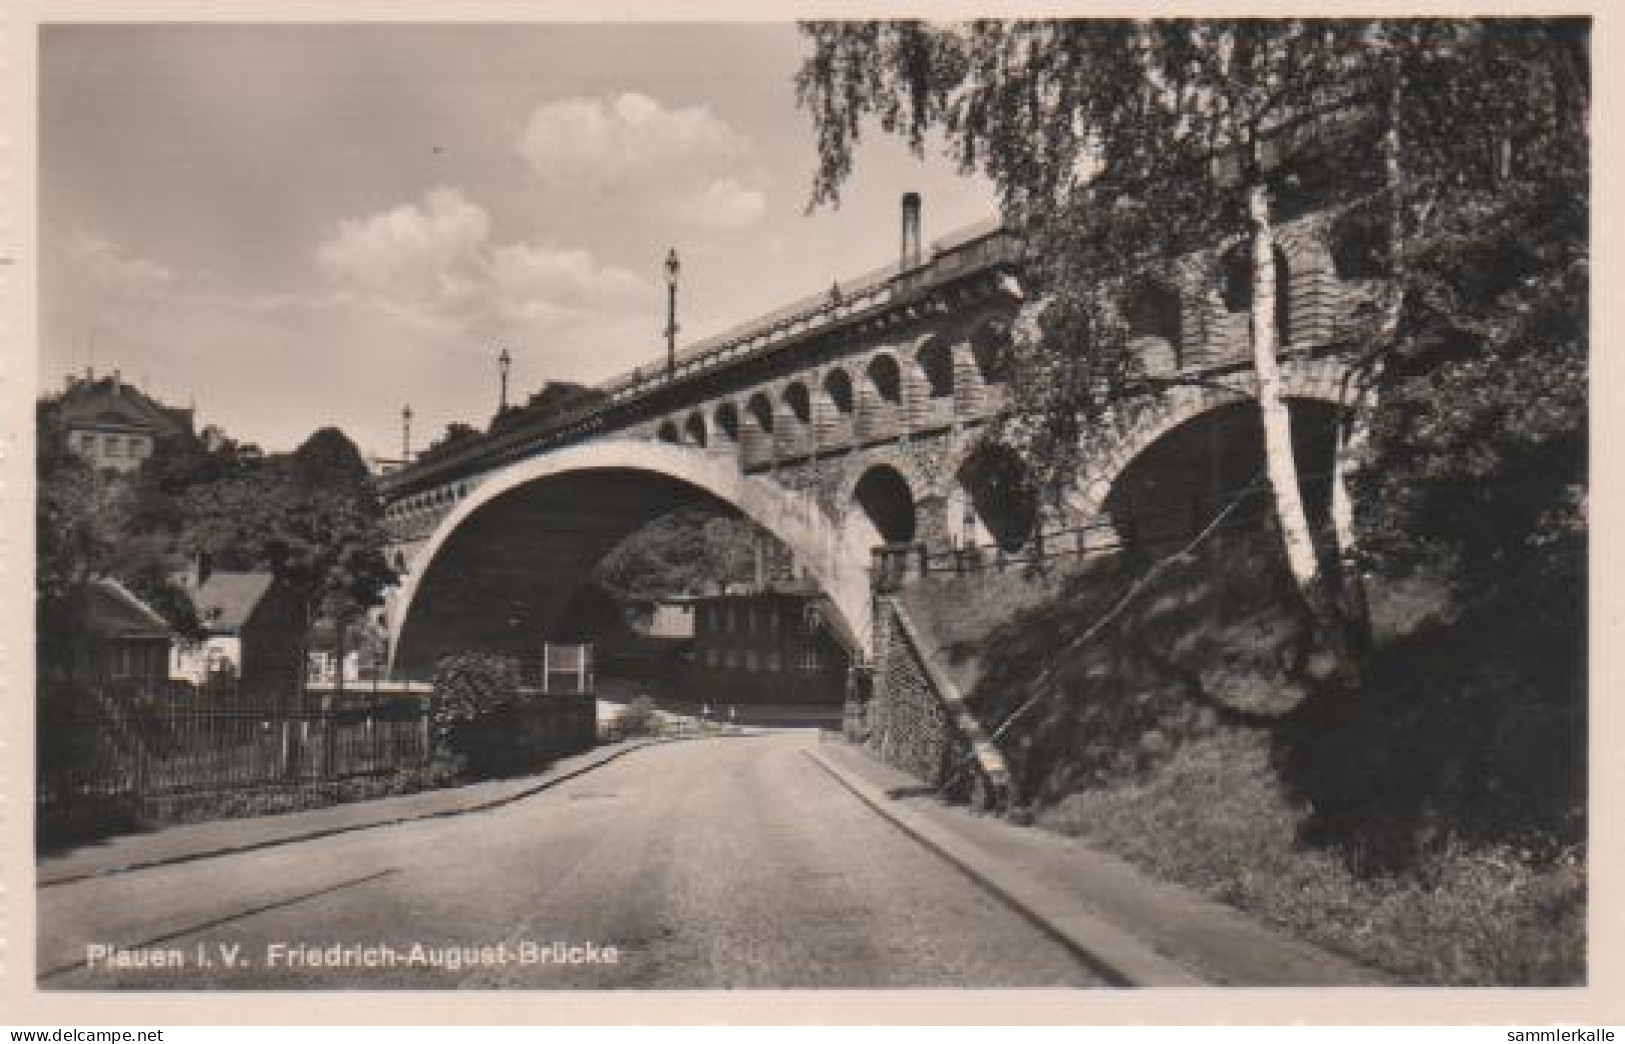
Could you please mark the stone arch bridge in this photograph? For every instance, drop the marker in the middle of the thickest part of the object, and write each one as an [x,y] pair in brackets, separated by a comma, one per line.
[844,421]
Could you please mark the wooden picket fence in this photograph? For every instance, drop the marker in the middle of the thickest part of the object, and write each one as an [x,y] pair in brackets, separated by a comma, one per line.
[104,757]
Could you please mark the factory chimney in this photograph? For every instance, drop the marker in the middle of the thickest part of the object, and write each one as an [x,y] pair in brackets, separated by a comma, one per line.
[911,231]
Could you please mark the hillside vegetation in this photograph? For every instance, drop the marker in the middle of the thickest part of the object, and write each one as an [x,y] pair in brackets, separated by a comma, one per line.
[1431,822]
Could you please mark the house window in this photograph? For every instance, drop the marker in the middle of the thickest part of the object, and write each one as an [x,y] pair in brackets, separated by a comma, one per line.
[750,659]
[126,660]
[87,443]
[774,661]
[110,446]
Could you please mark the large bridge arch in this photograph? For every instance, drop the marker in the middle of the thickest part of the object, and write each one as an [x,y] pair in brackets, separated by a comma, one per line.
[1320,380]
[512,553]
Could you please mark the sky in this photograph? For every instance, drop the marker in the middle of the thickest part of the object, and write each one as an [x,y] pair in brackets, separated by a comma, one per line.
[296,226]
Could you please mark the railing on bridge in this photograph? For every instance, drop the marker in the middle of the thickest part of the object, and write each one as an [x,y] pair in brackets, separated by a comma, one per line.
[895,564]
[1144,533]
[968,250]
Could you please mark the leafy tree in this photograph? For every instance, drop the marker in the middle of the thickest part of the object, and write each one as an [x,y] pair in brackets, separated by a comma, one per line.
[1477,458]
[313,519]
[1453,158]
[86,531]
[456,434]
[1113,144]
[73,544]
[1119,146]
[554,397]
[686,551]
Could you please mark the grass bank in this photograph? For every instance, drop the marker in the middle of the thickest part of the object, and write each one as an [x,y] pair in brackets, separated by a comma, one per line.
[1216,818]
[1431,824]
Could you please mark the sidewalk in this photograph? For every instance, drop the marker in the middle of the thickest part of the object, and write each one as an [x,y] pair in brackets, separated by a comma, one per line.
[178,844]
[1136,930]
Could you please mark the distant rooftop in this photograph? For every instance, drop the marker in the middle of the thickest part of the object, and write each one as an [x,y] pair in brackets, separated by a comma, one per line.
[225,601]
[112,402]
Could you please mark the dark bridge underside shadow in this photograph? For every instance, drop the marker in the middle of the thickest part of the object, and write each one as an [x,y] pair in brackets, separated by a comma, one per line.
[502,579]
[500,571]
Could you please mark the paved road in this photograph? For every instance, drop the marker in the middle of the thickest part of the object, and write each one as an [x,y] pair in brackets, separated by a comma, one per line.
[729,862]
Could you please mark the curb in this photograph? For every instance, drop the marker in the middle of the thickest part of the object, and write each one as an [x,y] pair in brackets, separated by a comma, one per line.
[1119,957]
[350,828]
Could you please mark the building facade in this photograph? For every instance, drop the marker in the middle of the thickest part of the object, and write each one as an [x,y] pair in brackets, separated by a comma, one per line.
[128,641]
[115,425]
[770,646]
[253,638]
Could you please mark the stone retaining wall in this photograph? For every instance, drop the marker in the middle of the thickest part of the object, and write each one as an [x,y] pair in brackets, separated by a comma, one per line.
[918,720]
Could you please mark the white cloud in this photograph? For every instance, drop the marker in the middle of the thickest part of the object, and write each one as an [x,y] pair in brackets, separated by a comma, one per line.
[431,280]
[663,162]
[525,271]
[727,203]
[411,250]
[572,140]
[437,256]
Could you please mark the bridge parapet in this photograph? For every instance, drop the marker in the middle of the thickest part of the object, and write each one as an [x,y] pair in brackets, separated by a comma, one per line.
[899,372]
[839,347]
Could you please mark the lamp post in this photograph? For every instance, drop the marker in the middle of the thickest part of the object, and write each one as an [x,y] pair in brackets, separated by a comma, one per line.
[406,435]
[673,267]
[504,363]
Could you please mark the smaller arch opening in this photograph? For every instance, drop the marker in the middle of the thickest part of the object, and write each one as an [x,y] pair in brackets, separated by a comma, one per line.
[838,386]
[668,433]
[886,378]
[1359,245]
[1236,286]
[799,400]
[694,429]
[990,346]
[760,409]
[999,488]
[884,497]
[1151,311]
[727,418]
[1210,464]
[937,364]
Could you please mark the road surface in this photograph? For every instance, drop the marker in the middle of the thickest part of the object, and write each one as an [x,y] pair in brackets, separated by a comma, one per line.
[726,862]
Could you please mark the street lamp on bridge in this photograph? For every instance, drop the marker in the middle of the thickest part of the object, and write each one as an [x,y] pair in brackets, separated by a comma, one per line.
[673,266]
[504,363]
[406,435]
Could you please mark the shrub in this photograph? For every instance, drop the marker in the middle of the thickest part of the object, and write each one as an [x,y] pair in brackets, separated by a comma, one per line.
[476,697]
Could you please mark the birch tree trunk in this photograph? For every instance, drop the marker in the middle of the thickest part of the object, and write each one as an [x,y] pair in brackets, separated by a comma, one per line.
[1279,460]
[1353,431]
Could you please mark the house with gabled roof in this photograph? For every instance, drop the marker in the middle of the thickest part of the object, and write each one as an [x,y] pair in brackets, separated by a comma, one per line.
[113,424]
[126,640]
[253,626]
